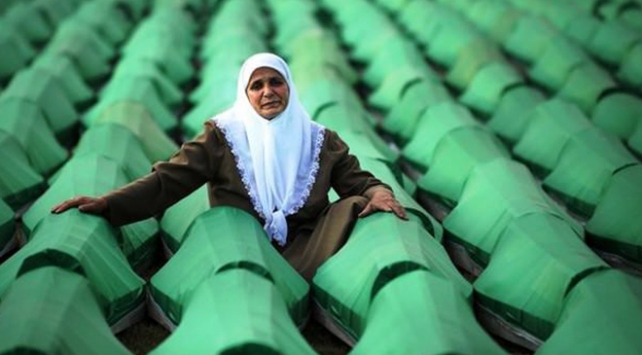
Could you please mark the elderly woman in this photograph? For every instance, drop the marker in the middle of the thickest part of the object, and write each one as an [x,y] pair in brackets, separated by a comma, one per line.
[265,156]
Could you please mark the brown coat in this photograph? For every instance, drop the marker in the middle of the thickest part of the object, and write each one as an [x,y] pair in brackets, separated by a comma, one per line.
[208,159]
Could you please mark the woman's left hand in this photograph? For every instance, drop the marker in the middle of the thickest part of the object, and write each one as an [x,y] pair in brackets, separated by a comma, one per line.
[382,199]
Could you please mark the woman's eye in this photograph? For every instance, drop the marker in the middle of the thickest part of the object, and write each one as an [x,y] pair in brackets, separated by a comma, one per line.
[276,82]
[255,86]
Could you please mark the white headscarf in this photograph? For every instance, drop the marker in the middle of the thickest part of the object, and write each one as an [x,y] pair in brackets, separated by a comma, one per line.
[278,159]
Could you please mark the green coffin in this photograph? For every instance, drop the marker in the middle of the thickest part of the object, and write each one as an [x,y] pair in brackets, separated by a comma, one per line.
[420,313]
[456,155]
[470,61]
[84,244]
[513,112]
[53,311]
[601,315]
[612,42]
[550,126]
[24,121]
[537,261]
[553,68]
[7,224]
[17,52]
[235,311]
[168,92]
[31,23]
[381,248]
[495,195]
[68,76]
[585,86]
[403,118]
[19,182]
[488,85]
[631,70]
[221,239]
[618,113]
[585,165]
[397,52]
[177,219]
[107,18]
[131,89]
[136,118]
[529,39]
[435,122]
[93,175]
[388,94]
[616,225]
[46,92]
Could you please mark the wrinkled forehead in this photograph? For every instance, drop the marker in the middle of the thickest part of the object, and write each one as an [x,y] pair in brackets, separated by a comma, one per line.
[262,60]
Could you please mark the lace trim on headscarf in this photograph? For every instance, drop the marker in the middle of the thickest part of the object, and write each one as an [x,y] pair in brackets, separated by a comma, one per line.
[246,175]
[314,169]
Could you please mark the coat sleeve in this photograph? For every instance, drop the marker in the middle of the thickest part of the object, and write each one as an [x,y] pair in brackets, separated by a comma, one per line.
[348,179]
[190,167]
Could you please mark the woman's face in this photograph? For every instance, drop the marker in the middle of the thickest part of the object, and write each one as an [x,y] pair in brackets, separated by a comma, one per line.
[268,92]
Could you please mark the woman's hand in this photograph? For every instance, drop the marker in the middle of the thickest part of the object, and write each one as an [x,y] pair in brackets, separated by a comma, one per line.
[382,199]
[85,204]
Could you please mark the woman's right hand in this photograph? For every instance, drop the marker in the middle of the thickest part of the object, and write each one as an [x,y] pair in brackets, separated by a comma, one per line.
[85,204]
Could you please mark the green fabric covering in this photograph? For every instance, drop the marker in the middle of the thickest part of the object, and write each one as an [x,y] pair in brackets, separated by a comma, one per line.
[235,312]
[470,61]
[602,315]
[429,316]
[7,224]
[497,19]
[550,126]
[553,68]
[537,261]
[616,225]
[324,92]
[138,90]
[496,194]
[582,29]
[170,94]
[396,53]
[586,163]
[19,182]
[221,239]
[381,248]
[529,39]
[318,51]
[157,49]
[53,311]
[235,44]
[357,21]
[25,122]
[31,23]
[16,52]
[106,18]
[67,75]
[402,119]
[217,102]
[177,219]
[635,140]
[456,155]
[389,93]
[137,119]
[75,29]
[585,86]
[393,6]
[618,113]
[85,244]
[218,77]
[420,18]
[631,70]
[395,179]
[487,87]
[88,51]
[93,175]
[631,16]
[45,91]
[353,124]
[55,11]
[116,142]
[514,111]
[435,122]
[612,42]
[451,39]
